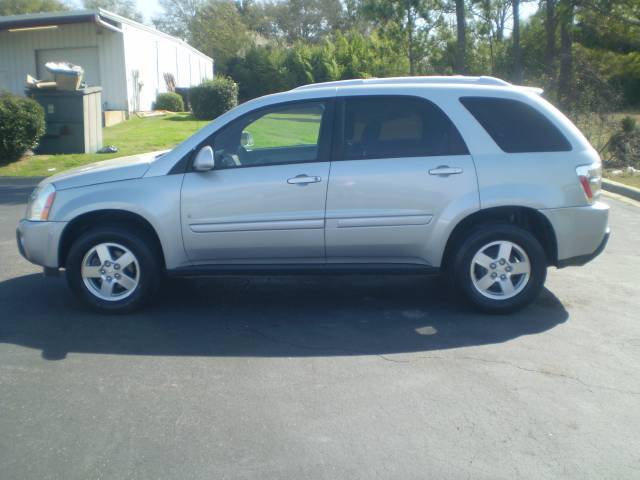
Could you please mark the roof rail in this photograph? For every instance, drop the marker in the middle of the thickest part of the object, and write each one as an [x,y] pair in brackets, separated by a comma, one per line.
[453,79]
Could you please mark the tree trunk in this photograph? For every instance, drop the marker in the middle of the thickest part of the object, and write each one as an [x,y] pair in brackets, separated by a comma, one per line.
[461,28]
[550,30]
[566,55]
[410,26]
[517,53]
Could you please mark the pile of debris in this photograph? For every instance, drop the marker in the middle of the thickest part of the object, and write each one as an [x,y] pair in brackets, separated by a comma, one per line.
[64,76]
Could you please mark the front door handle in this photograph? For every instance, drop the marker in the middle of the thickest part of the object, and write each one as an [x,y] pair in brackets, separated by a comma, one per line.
[445,170]
[303,180]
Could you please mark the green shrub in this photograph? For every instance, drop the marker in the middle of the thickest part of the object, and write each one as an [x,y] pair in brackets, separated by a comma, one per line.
[21,126]
[184,93]
[213,98]
[169,101]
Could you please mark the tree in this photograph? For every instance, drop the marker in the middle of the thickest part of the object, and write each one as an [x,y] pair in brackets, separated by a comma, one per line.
[218,30]
[565,75]
[305,20]
[297,66]
[258,72]
[323,62]
[461,37]
[550,27]
[178,15]
[125,8]
[258,17]
[517,53]
[492,16]
[409,22]
[18,7]
[397,18]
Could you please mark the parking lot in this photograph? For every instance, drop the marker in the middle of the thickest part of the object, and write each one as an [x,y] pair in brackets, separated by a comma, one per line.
[322,377]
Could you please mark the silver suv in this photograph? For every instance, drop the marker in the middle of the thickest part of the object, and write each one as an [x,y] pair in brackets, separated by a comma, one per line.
[470,176]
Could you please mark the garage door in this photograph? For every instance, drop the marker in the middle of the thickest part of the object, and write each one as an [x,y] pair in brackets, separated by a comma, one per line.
[86,57]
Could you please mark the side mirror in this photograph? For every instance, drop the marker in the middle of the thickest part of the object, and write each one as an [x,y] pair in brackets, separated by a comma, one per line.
[246,139]
[204,159]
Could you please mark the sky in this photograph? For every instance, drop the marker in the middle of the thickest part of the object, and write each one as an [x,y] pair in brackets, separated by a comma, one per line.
[149,8]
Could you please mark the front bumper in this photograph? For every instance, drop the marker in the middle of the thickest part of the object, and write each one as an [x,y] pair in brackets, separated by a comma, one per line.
[38,242]
[581,232]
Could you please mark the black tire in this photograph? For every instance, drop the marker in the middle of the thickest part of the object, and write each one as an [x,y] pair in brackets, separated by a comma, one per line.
[483,235]
[145,252]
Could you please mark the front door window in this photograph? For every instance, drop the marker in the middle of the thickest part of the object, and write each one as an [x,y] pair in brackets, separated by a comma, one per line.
[288,134]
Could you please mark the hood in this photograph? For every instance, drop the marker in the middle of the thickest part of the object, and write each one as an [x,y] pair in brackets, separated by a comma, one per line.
[114,170]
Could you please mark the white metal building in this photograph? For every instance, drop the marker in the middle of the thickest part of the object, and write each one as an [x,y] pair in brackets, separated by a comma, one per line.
[126,58]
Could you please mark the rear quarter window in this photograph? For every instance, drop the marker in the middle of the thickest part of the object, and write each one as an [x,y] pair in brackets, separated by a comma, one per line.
[515,126]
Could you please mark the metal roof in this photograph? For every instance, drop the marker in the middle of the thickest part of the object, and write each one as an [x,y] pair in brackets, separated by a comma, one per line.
[43,19]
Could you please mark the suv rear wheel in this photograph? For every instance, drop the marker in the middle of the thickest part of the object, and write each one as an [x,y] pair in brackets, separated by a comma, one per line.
[113,270]
[499,268]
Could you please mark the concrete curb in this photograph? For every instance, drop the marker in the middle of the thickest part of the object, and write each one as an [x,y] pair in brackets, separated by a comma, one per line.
[621,189]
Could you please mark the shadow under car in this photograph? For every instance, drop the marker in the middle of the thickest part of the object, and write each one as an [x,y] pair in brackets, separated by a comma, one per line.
[265,316]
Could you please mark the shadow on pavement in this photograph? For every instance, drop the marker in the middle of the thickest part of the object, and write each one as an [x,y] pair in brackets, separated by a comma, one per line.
[265,316]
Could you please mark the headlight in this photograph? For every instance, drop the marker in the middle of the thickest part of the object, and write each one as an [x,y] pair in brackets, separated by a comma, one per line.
[40,203]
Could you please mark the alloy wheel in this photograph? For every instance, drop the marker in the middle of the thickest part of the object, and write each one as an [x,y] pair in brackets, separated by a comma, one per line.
[500,270]
[110,271]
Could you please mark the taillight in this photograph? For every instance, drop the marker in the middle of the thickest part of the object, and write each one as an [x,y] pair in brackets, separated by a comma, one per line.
[590,177]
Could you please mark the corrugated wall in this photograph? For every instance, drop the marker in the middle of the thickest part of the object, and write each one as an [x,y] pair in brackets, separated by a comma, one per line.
[131,64]
[149,55]
[18,57]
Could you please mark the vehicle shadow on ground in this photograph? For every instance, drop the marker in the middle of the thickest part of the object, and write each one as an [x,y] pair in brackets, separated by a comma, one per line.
[265,316]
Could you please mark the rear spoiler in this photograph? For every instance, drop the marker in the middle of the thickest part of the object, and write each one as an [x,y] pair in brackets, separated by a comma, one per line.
[536,90]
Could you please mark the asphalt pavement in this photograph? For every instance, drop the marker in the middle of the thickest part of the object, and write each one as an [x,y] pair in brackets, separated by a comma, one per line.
[366,377]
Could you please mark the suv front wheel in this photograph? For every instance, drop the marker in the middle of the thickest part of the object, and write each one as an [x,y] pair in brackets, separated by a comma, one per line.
[113,270]
[499,268]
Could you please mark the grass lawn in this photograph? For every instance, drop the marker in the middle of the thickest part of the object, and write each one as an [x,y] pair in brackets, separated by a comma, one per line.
[631,180]
[282,129]
[137,135]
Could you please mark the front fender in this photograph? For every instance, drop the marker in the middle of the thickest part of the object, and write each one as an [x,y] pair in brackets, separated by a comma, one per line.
[156,199]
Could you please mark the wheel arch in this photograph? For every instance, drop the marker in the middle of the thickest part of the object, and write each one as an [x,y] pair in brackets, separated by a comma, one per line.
[121,218]
[528,218]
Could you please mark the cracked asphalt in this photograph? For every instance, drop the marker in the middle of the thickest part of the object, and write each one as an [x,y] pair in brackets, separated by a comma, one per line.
[322,377]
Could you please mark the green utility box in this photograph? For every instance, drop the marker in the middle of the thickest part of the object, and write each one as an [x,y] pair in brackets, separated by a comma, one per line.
[73,118]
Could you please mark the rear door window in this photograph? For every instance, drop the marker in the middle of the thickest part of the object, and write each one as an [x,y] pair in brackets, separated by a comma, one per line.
[515,126]
[396,127]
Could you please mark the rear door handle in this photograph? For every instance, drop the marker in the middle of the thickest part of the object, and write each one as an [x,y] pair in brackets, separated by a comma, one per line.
[303,180]
[445,170]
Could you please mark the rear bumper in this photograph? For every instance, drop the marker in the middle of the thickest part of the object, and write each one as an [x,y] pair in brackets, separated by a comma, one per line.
[582,259]
[581,232]
[38,241]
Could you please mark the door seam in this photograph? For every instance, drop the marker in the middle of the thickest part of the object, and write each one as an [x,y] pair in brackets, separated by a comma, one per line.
[326,199]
